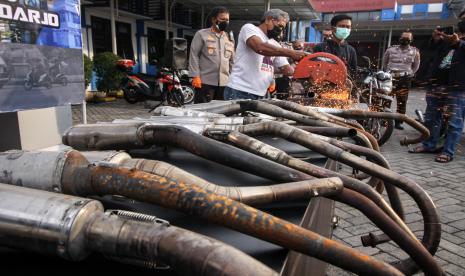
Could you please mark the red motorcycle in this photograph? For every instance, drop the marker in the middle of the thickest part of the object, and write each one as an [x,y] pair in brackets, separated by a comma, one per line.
[166,86]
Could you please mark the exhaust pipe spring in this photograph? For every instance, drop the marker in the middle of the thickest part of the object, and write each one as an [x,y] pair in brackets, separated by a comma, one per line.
[137,217]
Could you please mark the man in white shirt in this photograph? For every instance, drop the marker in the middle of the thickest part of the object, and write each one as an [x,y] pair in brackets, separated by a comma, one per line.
[255,60]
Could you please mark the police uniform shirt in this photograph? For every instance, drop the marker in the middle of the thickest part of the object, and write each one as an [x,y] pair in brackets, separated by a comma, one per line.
[211,57]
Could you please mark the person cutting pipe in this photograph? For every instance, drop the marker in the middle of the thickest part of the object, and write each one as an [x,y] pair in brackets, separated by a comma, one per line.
[255,61]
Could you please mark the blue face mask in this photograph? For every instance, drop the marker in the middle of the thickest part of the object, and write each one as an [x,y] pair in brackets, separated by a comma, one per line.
[342,33]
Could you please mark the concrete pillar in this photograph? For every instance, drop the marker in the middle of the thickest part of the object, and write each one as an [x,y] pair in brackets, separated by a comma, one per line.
[289,29]
[202,17]
[167,19]
[114,46]
[389,38]
[297,29]
[267,5]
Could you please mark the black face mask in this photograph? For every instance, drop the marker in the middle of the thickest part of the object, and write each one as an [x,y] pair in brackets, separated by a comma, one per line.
[404,41]
[461,26]
[222,26]
[280,37]
[275,33]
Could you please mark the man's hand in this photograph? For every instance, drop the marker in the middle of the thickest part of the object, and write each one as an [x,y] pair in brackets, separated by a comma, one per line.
[451,39]
[297,55]
[196,82]
[272,87]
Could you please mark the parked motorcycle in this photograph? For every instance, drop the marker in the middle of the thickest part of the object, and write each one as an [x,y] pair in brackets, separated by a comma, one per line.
[37,76]
[375,90]
[166,86]
[187,90]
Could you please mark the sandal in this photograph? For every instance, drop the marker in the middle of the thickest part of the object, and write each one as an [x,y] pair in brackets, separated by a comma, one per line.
[421,149]
[443,158]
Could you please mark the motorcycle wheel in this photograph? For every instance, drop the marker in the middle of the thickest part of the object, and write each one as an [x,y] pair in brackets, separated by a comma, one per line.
[381,129]
[28,85]
[188,93]
[130,95]
[175,98]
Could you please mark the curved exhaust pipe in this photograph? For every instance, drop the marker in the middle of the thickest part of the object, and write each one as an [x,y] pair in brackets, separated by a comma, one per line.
[251,195]
[258,147]
[80,178]
[351,133]
[138,135]
[109,136]
[321,120]
[432,224]
[72,227]
[361,114]
[406,240]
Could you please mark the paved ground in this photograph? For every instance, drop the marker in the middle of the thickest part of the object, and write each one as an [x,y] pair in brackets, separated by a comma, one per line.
[444,183]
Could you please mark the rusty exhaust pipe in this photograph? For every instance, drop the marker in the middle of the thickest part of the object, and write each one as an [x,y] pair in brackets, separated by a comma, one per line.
[339,132]
[129,136]
[378,158]
[80,178]
[117,136]
[277,155]
[432,224]
[407,241]
[301,109]
[276,111]
[361,114]
[72,227]
[351,133]
[252,195]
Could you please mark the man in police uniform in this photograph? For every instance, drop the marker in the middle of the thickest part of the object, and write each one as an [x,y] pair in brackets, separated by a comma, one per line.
[211,58]
[402,61]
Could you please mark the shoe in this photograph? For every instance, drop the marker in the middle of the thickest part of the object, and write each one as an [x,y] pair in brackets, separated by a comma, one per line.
[398,125]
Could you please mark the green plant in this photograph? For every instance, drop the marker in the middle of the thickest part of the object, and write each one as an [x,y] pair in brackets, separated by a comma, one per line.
[108,77]
[88,67]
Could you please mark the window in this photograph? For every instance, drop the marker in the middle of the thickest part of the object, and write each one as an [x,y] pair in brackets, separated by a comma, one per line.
[101,35]
[156,43]
[327,17]
[363,16]
[407,9]
[435,7]
[102,40]
[124,40]
[375,15]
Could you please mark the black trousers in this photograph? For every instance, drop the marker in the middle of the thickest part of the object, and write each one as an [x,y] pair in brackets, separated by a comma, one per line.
[402,86]
[208,93]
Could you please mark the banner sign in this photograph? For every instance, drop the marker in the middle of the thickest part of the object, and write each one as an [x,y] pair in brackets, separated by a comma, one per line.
[335,6]
[40,54]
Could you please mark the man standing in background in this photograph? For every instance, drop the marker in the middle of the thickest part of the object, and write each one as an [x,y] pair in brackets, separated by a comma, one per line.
[336,44]
[402,61]
[211,57]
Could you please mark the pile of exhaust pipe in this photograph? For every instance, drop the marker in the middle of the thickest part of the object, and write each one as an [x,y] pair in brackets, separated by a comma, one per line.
[227,134]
